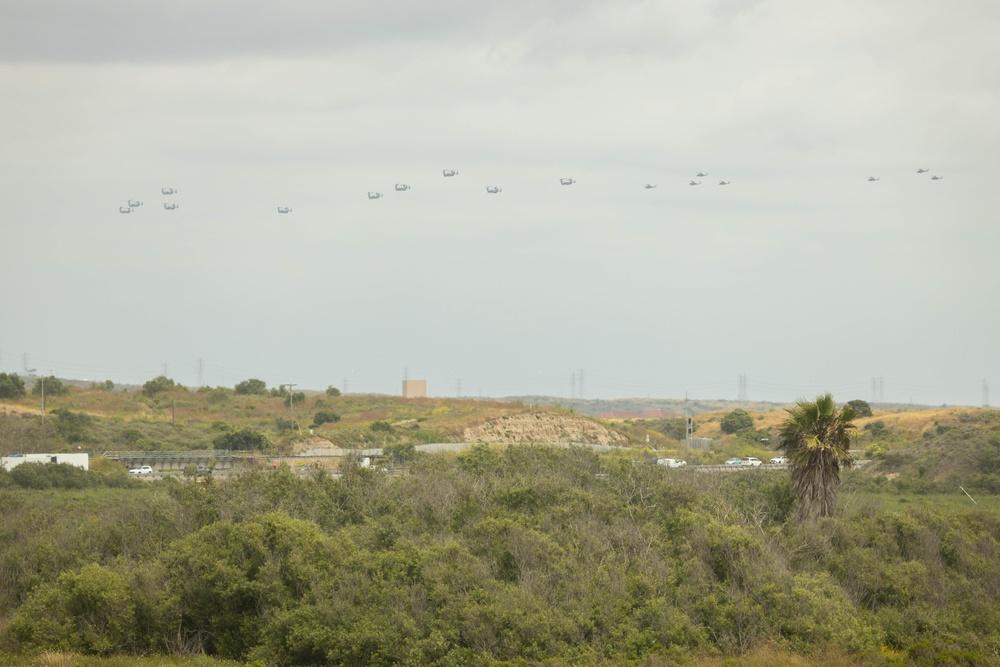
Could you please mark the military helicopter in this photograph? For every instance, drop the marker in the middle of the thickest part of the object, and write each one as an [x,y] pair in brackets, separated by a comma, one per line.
[134,203]
[374,195]
[168,191]
[873,178]
[171,207]
[649,186]
[493,189]
[124,209]
[693,182]
[723,182]
[284,209]
[448,173]
[567,181]
[701,174]
[936,178]
[402,187]
[921,170]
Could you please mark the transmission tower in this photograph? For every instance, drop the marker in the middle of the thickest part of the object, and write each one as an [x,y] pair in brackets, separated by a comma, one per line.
[741,394]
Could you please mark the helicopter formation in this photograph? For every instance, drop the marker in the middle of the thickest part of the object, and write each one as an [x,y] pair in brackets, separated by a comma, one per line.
[133,204]
[920,170]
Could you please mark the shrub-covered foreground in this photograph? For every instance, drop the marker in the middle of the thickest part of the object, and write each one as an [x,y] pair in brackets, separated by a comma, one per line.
[520,555]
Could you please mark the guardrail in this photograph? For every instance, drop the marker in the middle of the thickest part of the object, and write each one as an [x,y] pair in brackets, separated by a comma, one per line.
[189,454]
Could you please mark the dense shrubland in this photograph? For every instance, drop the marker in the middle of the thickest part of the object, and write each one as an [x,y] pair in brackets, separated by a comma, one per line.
[516,554]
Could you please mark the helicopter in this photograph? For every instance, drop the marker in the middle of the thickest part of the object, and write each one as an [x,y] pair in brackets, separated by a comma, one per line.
[493,189]
[921,170]
[168,191]
[693,182]
[284,209]
[374,195]
[873,178]
[701,174]
[134,203]
[124,209]
[567,181]
[171,207]
[649,186]
[448,173]
[724,182]
[936,178]
[402,187]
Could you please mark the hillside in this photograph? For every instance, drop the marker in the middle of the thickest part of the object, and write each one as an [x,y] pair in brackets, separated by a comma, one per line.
[100,420]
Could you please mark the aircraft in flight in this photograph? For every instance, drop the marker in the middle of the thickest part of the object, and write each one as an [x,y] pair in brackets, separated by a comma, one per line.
[374,195]
[124,209]
[402,187]
[921,170]
[649,186]
[134,203]
[448,173]
[171,207]
[701,174]
[567,181]
[493,189]
[936,178]
[723,182]
[693,182]
[873,178]
[284,209]
[168,191]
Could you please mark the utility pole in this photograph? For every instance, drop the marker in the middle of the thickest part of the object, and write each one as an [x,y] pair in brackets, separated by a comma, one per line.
[201,382]
[291,410]
[986,394]
[572,384]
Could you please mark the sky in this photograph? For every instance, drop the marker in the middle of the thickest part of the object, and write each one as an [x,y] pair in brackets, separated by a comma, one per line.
[800,275]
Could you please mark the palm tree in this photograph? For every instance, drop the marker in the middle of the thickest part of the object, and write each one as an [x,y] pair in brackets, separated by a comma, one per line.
[816,438]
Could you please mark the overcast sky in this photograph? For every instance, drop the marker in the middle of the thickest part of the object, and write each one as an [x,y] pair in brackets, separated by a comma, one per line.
[801,274]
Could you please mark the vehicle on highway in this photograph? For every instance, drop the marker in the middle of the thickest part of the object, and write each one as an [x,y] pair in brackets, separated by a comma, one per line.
[734,462]
[672,463]
[780,460]
[141,470]
[750,461]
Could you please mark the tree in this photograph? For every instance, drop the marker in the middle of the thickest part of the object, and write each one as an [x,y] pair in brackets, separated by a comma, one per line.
[816,438]
[53,386]
[11,386]
[159,384]
[325,417]
[242,439]
[861,407]
[252,386]
[332,391]
[736,421]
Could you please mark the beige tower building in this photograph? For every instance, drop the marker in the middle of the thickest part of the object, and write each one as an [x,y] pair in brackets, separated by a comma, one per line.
[414,388]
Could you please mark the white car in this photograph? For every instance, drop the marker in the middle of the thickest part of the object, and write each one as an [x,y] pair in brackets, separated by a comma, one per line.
[141,470]
[672,463]
[780,460]
[750,461]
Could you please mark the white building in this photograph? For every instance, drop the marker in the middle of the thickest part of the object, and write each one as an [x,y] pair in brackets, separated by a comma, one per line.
[80,460]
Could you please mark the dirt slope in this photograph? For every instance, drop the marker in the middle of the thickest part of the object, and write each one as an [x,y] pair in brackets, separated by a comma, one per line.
[542,427]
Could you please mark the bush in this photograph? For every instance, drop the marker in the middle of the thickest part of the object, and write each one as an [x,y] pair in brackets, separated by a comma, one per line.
[253,386]
[736,421]
[72,426]
[11,386]
[325,417]
[53,387]
[380,425]
[242,439]
[159,384]
[332,391]
[861,408]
